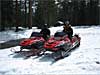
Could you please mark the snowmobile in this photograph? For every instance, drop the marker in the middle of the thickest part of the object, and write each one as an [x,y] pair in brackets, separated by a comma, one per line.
[35,42]
[60,43]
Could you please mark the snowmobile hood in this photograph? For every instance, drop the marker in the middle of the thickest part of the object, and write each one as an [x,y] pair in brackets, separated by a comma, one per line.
[55,44]
[52,44]
[31,41]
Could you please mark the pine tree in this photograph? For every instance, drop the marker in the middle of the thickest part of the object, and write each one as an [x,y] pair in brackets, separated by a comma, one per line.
[46,13]
[6,13]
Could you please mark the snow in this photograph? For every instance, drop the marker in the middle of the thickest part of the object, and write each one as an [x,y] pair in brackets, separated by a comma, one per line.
[11,35]
[82,60]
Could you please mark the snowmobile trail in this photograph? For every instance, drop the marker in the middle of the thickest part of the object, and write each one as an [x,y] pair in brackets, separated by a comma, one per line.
[25,54]
[52,57]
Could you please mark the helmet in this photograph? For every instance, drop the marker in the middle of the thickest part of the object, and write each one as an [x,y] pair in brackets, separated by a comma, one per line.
[45,26]
[67,22]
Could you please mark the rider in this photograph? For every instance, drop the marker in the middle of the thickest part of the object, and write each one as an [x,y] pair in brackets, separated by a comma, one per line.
[46,32]
[67,29]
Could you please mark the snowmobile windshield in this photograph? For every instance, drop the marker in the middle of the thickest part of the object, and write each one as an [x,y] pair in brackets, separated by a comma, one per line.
[36,34]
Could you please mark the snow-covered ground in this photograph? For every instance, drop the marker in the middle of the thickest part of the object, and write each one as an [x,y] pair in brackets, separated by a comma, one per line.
[83,60]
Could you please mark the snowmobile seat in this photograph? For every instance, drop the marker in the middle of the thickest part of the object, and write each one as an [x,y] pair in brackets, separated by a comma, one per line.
[59,35]
[36,34]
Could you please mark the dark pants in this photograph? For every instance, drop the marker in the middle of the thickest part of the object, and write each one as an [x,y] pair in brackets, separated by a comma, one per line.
[69,35]
[46,36]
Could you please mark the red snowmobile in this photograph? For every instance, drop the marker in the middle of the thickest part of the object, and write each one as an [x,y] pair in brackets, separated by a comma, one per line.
[36,41]
[33,44]
[61,43]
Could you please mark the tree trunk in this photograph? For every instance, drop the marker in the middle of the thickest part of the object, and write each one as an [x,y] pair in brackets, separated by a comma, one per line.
[30,14]
[16,16]
[25,14]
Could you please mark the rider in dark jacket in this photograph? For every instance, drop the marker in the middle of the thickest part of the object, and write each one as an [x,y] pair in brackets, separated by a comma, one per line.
[46,32]
[68,30]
